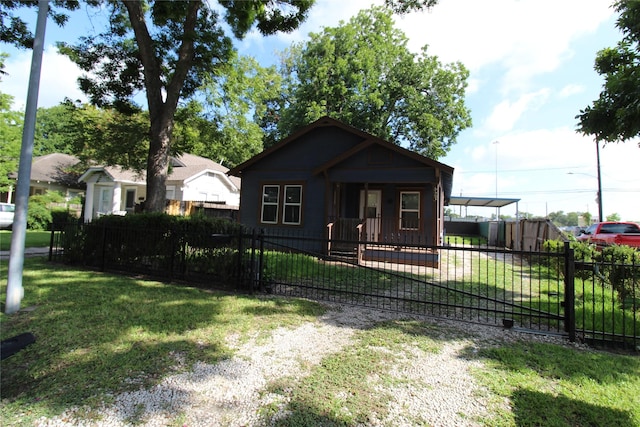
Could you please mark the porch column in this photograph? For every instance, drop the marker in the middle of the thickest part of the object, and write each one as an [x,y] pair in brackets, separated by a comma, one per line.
[116,200]
[88,202]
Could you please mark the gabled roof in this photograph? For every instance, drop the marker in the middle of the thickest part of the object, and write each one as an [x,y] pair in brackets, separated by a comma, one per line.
[47,168]
[183,168]
[116,174]
[393,147]
[326,121]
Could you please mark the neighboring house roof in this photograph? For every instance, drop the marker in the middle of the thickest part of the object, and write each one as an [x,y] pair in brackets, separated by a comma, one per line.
[48,168]
[115,173]
[367,141]
[188,166]
[183,169]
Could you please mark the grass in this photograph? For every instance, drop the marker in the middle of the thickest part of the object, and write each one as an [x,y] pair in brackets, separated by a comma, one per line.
[557,386]
[529,291]
[33,239]
[96,330]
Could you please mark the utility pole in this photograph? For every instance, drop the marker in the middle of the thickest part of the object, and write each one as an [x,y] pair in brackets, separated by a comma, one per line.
[599,200]
[497,209]
[15,291]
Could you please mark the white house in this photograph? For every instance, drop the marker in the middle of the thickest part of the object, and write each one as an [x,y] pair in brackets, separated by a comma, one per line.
[51,172]
[113,190]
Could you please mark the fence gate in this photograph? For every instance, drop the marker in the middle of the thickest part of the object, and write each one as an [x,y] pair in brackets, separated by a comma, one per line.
[481,285]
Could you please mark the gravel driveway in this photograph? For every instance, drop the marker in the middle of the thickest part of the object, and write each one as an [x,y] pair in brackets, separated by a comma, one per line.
[434,389]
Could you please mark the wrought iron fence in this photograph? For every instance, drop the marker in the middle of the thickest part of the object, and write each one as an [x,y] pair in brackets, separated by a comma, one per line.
[541,291]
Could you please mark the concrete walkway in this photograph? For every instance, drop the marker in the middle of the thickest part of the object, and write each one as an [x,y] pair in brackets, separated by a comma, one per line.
[28,252]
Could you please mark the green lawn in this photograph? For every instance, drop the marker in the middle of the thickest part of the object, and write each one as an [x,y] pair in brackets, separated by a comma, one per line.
[94,331]
[33,239]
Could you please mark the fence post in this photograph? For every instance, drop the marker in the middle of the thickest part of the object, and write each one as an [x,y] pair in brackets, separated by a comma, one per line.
[172,256]
[51,241]
[240,272]
[261,261]
[569,292]
[252,260]
[104,248]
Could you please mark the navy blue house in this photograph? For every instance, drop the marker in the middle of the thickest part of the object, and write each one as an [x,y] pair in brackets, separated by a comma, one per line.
[330,180]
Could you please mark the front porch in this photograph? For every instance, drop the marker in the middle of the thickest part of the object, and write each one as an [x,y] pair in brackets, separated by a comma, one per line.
[376,239]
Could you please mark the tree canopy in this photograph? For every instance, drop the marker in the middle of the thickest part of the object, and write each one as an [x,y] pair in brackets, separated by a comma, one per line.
[164,49]
[167,49]
[363,73]
[11,137]
[615,115]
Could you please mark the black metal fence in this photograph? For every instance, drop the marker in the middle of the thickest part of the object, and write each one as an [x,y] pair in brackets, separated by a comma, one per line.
[548,292]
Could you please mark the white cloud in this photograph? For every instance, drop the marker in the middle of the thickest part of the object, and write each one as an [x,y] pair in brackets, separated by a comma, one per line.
[570,89]
[534,166]
[506,113]
[58,78]
[526,37]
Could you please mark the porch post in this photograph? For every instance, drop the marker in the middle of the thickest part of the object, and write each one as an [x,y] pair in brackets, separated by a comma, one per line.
[365,202]
[327,206]
[117,197]
[88,202]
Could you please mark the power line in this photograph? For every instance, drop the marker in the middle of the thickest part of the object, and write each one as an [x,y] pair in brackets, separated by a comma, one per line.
[564,168]
[566,191]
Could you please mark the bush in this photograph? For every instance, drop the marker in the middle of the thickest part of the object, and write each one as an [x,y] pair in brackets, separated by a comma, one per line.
[60,218]
[617,267]
[582,252]
[621,270]
[158,243]
[39,215]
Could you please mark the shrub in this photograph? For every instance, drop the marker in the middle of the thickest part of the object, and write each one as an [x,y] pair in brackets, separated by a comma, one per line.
[621,270]
[60,218]
[158,243]
[583,253]
[39,214]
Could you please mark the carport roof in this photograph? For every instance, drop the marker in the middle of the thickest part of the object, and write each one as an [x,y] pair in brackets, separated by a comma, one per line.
[489,202]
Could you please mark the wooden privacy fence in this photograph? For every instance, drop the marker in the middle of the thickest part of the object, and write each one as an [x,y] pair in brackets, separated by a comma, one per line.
[530,234]
[190,207]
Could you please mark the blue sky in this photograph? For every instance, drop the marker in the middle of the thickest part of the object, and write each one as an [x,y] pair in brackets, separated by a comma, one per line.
[531,65]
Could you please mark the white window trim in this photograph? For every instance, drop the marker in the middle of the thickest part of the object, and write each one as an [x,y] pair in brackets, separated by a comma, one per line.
[298,204]
[409,210]
[264,203]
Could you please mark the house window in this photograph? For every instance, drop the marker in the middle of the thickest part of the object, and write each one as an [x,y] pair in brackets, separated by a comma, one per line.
[130,200]
[270,201]
[170,193]
[106,201]
[292,204]
[409,210]
[286,198]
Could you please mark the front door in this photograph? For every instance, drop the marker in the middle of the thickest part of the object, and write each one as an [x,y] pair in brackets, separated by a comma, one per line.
[370,206]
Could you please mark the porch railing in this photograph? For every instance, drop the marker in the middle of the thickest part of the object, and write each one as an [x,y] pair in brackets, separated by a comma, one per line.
[355,234]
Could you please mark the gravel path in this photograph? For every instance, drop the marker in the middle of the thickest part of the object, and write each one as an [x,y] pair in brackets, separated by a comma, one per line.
[434,389]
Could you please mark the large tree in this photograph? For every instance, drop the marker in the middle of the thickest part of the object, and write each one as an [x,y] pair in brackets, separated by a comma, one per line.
[363,73]
[221,128]
[11,137]
[615,115]
[166,49]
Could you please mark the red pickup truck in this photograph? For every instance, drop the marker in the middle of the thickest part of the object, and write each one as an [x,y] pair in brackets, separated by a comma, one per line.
[612,233]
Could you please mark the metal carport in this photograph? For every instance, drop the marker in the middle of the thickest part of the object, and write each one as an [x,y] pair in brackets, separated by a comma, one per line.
[488,202]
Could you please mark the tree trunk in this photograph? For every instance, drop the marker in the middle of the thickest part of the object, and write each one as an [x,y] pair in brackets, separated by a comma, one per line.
[161,112]
[158,162]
